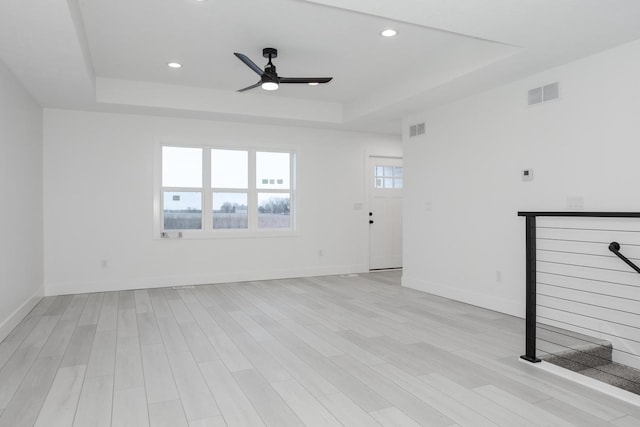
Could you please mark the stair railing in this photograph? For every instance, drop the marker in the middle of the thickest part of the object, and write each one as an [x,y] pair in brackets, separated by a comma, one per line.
[531,267]
[615,248]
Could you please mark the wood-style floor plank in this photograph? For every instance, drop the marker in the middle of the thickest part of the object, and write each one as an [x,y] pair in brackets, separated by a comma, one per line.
[167,414]
[356,350]
[96,401]
[102,358]
[235,407]
[130,408]
[393,417]
[194,392]
[61,403]
[158,377]
[307,408]
[272,409]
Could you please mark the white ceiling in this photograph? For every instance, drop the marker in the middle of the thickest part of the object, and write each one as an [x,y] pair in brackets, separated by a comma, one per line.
[111,55]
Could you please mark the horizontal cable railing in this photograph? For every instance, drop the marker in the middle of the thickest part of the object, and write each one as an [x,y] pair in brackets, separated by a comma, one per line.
[583,292]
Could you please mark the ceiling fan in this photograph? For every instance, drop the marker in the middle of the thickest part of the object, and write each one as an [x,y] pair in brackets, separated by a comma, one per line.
[269,79]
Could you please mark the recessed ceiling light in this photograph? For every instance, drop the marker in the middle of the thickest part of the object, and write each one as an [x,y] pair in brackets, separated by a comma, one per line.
[174,65]
[313,83]
[389,33]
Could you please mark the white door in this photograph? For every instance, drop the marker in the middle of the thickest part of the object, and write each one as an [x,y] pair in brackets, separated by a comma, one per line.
[385,212]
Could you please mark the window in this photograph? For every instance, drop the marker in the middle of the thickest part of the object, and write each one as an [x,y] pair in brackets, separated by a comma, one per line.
[230,188]
[274,189]
[182,188]
[388,177]
[210,189]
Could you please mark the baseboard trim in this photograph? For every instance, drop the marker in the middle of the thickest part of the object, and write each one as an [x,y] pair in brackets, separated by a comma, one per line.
[16,317]
[501,305]
[52,289]
[594,384]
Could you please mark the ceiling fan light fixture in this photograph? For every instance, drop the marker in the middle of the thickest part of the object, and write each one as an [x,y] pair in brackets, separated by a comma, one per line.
[174,65]
[269,85]
[269,79]
[313,83]
[389,32]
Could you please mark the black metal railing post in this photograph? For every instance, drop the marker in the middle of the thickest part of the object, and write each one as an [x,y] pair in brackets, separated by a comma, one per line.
[530,344]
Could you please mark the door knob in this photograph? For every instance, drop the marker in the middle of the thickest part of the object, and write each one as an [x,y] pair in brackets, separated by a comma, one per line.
[370,221]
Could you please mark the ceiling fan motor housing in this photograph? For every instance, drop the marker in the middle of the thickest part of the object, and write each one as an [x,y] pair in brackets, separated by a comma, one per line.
[269,52]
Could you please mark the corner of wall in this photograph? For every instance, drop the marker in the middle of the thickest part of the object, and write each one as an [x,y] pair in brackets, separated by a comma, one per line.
[20,313]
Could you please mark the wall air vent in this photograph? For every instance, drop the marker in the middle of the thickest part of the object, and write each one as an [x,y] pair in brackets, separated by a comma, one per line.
[543,93]
[550,92]
[415,130]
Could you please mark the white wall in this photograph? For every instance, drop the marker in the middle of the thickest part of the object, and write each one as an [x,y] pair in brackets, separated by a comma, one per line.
[463,187]
[98,204]
[21,262]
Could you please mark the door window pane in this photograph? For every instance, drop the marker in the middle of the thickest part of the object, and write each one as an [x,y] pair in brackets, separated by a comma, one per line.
[229,169]
[181,167]
[274,210]
[182,210]
[230,210]
[388,177]
[273,170]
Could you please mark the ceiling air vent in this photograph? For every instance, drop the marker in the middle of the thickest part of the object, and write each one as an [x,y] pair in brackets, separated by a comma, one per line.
[543,94]
[415,130]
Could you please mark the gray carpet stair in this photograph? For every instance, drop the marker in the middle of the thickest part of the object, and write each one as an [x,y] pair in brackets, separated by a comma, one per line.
[587,356]
[621,376]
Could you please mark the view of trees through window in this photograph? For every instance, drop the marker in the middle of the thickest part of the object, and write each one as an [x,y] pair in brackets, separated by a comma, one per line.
[230,201]
[230,210]
[274,211]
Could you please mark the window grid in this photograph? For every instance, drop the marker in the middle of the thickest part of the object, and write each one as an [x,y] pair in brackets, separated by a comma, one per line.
[388,177]
[252,192]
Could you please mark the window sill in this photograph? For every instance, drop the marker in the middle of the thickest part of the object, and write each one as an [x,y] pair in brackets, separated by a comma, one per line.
[227,234]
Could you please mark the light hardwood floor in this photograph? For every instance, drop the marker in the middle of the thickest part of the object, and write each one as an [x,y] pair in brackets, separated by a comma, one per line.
[322,351]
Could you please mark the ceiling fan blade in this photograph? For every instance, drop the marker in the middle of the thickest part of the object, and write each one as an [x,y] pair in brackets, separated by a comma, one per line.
[249,63]
[305,79]
[251,87]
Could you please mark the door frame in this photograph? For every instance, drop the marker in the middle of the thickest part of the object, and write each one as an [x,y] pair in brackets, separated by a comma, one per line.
[369,187]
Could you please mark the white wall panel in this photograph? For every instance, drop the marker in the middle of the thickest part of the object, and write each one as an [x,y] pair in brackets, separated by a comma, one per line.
[99,201]
[463,238]
[21,259]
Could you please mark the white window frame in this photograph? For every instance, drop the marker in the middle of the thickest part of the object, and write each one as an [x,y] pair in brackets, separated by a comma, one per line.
[207,231]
